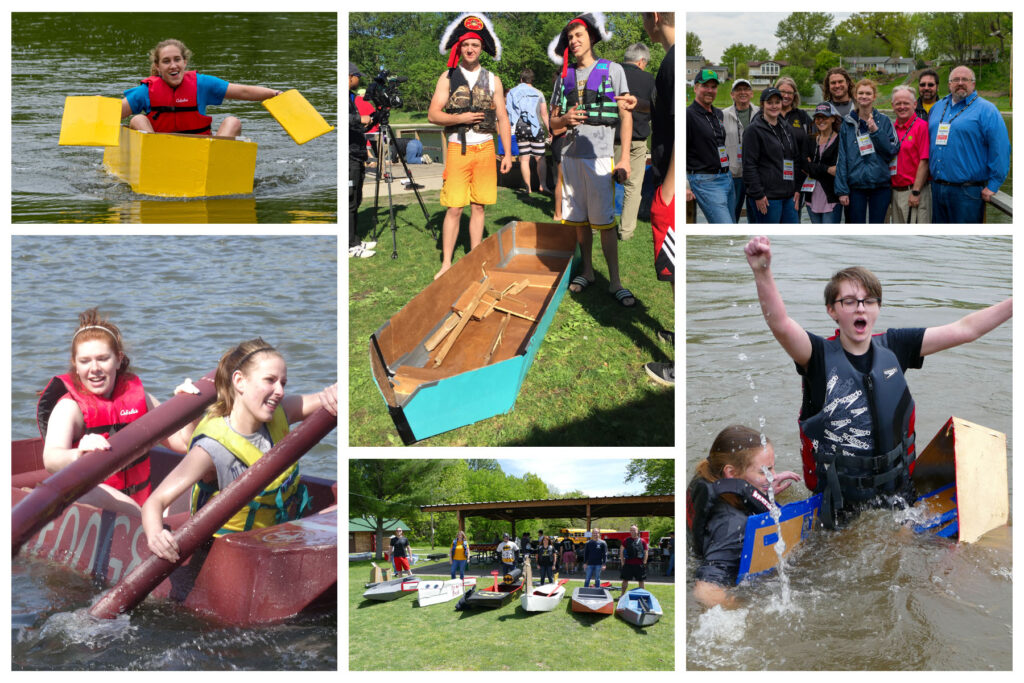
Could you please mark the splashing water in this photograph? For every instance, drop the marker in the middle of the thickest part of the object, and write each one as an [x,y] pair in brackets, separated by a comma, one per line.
[785,602]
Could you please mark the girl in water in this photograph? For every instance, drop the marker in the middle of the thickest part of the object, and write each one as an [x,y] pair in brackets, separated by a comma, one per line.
[250,415]
[174,100]
[98,396]
[730,485]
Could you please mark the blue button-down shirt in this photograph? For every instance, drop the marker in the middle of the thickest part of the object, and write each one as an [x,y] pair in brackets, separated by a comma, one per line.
[979,146]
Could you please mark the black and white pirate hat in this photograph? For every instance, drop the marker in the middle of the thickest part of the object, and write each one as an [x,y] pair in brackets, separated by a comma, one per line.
[558,48]
[465,26]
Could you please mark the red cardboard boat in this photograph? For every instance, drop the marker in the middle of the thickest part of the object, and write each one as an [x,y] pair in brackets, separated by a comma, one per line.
[245,579]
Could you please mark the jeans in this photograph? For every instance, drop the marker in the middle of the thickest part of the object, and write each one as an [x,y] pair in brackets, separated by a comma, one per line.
[714,193]
[956,204]
[830,217]
[460,567]
[593,570]
[779,211]
[546,572]
[671,564]
[740,193]
[869,205]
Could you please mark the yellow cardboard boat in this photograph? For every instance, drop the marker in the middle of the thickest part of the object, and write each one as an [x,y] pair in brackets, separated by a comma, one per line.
[178,165]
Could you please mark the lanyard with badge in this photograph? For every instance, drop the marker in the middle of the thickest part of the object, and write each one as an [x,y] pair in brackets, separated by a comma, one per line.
[892,164]
[809,182]
[787,163]
[942,136]
[864,143]
[719,133]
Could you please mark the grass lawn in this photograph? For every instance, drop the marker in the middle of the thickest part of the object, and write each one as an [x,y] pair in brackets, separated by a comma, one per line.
[587,385]
[400,635]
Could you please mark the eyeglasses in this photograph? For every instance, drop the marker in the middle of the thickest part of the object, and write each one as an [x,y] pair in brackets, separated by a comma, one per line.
[851,303]
[961,80]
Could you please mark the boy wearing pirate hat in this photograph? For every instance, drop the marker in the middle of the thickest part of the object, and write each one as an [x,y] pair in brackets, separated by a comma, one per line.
[587,101]
[470,103]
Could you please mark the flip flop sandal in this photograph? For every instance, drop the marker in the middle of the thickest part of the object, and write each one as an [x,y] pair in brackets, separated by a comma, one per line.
[624,294]
[580,282]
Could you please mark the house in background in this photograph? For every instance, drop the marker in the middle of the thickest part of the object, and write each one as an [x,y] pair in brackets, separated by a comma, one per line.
[763,74]
[892,66]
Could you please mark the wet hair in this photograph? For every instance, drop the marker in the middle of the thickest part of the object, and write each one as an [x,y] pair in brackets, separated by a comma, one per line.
[868,280]
[796,93]
[842,72]
[735,445]
[154,54]
[866,83]
[526,76]
[242,358]
[93,326]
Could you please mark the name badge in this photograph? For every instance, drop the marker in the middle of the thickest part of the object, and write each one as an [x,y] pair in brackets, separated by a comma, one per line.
[787,169]
[942,137]
[723,156]
[892,167]
[739,152]
[865,145]
[809,185]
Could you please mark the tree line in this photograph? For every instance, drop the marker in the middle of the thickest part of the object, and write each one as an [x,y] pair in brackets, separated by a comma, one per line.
[386,490]
[406,44]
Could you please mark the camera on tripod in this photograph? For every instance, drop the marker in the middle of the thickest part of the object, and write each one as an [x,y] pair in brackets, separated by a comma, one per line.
[382,91]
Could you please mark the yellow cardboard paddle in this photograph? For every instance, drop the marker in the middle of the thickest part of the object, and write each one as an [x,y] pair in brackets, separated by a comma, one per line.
[90,121]
[297,116]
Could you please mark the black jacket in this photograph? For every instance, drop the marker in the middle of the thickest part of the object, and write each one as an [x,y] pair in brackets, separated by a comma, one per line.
[764,149]
[356,130]
[818,167]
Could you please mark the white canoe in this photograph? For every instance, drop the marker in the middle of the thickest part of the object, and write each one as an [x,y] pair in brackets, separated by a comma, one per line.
[543,598]
[434,592]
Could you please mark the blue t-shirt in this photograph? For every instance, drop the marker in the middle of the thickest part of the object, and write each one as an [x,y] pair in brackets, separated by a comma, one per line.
[210,90]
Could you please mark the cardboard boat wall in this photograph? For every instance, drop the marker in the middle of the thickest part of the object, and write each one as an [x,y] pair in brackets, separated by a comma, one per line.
[423,400]
[762,533]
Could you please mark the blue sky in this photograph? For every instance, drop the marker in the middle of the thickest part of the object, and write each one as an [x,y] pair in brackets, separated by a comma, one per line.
[593,476]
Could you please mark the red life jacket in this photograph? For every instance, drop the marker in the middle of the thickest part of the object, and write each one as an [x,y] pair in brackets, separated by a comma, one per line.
[176,110]
[104,416]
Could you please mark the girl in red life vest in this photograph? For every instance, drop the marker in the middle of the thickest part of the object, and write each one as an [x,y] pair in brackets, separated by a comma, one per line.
[251,414]
[97,397]
[174,99]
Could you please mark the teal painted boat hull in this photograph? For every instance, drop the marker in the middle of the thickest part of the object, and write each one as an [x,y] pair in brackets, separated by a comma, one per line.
[476,393]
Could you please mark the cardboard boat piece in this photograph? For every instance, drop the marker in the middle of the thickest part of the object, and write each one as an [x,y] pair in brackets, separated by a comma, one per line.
[762,534]
[474,331]
[436,592]
[639,607]
[543,598]
[499,596]
[386,591]
[592,600]
[962,478]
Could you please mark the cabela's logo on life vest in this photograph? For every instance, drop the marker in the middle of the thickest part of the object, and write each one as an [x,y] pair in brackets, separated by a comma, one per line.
[889,372]
[473,23]
[180,100]
[126,413]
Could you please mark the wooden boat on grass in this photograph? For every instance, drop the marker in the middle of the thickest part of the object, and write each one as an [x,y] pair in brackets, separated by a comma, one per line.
[436,592]
[639,607]
[245,579]
[386,591]
[459,351]
[592,600]
[180,165]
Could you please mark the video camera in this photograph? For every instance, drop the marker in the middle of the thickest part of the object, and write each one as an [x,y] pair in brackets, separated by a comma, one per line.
[382,91]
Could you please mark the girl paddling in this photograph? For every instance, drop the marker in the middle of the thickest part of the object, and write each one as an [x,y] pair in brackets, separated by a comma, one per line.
[251,414]
[98,396]
[174,100]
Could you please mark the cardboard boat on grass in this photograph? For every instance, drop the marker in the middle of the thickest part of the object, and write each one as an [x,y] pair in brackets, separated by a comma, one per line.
[544,598]
[592,600]
[436,592]
[459,351]
[243,579]
[385,591]
[639,607]
[498,596]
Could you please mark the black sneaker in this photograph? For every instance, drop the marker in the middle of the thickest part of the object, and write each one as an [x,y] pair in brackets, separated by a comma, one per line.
[662,373]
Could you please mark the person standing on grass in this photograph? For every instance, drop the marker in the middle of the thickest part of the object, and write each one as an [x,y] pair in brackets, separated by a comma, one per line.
[671,554]
[506,552]
[595,558]
[567,557]
[400,553]
[528,115]
[546,560]
[470,103]
[587,101]
[357,123]
[640,84]
[912,194]
[634,559]
[458,555]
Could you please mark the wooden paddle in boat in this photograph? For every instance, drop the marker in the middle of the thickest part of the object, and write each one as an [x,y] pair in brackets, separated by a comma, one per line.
[51,497]
[297,116]
[134,588]
[90,121]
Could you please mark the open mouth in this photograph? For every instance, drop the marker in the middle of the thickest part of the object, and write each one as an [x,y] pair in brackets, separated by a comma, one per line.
[860,324]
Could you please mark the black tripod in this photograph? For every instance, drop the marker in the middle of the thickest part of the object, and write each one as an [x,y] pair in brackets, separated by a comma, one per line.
[383,149]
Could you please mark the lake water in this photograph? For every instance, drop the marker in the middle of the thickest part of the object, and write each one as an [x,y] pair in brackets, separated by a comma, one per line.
[56,55]
[873,596]
[181,302]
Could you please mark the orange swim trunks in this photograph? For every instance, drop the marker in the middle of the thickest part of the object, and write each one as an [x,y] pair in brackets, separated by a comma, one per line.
[470,178]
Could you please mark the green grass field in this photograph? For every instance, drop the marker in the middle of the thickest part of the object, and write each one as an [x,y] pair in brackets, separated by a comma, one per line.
[400,635]
[587,384]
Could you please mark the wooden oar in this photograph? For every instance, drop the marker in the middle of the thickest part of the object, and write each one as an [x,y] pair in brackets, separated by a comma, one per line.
[49,498]
[91,121]
[134,588]
[297,116]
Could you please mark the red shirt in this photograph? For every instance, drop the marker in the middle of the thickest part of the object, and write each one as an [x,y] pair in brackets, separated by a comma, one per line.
[913,137]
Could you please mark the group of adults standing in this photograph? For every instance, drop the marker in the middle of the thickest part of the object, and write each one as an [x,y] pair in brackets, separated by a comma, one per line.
[939,161]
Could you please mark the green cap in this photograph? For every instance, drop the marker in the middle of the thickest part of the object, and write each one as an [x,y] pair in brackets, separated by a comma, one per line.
[706,75]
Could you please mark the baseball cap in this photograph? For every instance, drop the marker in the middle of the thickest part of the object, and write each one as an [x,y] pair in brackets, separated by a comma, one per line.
[825,109]
[768,92]
[741,81]
[353,70]
[704,76]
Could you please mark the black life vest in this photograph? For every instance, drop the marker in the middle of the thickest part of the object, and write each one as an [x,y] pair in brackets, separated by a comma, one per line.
[633,548]
[861,443]
[701,497]
[462,98]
